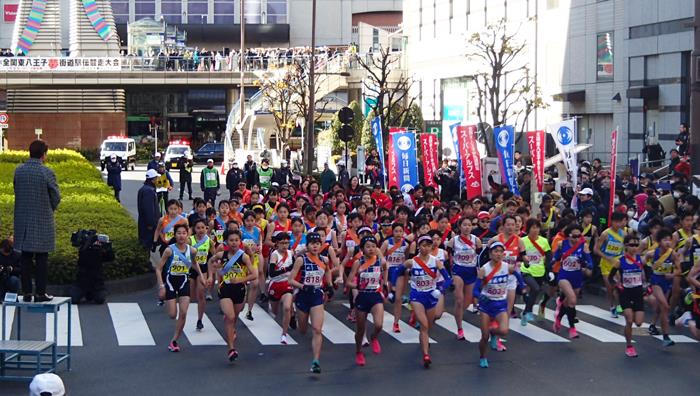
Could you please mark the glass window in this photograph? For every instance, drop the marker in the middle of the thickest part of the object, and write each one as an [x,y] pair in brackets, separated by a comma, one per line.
[224,8]
[146,9]
[273,19]
[120,7]
[277,7]
[171,8]
[197,18]
[604,56]
[253,10]
[224,19]
[197,8]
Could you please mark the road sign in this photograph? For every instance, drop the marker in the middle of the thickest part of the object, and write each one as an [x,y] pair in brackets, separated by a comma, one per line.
[4,120]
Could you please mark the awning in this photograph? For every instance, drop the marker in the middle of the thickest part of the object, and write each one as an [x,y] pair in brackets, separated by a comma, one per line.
[646,93]
[573,96]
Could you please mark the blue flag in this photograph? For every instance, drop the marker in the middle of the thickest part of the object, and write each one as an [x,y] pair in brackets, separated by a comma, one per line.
[379,141]
[504,136]
[405,150]
[455,142]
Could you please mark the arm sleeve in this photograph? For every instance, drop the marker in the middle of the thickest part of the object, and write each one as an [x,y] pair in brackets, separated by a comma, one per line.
[611,276]
[54,192]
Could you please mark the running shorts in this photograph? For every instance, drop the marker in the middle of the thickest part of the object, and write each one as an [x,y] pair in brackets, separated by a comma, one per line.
[395,272]
[574,277]
[176,286]
[305,300]
[492,308]
[233,291]
[632,298]
[661,281]
[467,274]
[277,289]
[425,298]
[365,301]
[605,267]
[195,275]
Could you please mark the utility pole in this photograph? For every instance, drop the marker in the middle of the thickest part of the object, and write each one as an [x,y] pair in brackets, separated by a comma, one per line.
[310,135]
[242,59]
[695,93]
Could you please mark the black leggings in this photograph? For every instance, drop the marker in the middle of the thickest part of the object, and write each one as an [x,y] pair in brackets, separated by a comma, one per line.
[39,272]
[534,285]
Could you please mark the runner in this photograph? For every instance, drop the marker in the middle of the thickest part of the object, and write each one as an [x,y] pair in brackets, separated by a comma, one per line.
[631,289]
[234,269]
[442,256]
[514,254]
[666,265]
[423,271]
[539,256]
[573,254]
[220,222]
[681,237]
[279,290]
[352,240]
[165,231]
[308,276]
[252,241]
[692,278]
[394,251]
[174,287]
[493,303]
[465,248]
[298,238]
[649,244]
[610,248]
[367,275]
[204,247]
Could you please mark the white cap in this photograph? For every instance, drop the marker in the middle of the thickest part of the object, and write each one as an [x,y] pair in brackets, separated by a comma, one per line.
[47,383]
[157,154]
[210,161]
[152,173]
[586,191]
[113,156]
[283,162]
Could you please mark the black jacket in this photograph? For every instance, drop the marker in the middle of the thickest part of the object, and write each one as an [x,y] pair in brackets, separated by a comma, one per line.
[233,177]
[149,213]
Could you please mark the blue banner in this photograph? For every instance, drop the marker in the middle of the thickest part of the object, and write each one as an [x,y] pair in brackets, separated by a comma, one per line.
[455,143]
[405,150]
[504,137]
[379,141]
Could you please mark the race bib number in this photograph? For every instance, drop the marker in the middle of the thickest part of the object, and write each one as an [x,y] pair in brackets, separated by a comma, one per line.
[571,264]
[313,278]
[370,280]
[423,283]
[495,291]
[465,259]
[533,258]
[614,249]
[201,258]
[235,272]
[179,269]
[510,259]
[631,279]
[394,260]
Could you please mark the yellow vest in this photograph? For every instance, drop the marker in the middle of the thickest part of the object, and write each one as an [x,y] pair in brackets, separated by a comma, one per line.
[162,181]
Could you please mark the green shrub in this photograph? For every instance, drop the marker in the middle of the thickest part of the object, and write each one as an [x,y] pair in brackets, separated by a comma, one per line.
[90,154]
[86,202]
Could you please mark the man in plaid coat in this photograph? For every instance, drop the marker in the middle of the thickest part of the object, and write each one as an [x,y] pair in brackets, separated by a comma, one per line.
[36,198]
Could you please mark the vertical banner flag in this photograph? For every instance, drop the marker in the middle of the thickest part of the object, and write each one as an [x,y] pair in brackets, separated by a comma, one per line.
[471,161]
[504,136]
[379,142]
[455,145]
[564,134]
[613,173]
[393,160]
[429,146]
[404,147]
[535,142]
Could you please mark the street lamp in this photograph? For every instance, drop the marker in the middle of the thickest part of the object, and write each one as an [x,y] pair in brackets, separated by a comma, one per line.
[310,133]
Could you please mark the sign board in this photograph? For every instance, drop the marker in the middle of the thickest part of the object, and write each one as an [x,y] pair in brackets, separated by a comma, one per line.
[10,297]
[4,120]
[58,64]
[10,12]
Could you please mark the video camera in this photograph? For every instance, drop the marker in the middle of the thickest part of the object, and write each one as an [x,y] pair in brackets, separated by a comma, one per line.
[84,239]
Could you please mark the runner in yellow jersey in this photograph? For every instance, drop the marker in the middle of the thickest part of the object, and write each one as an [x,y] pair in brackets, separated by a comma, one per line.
[204,247]
[610,247]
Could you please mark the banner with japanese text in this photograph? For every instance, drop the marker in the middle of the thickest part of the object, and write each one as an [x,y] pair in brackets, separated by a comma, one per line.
[379,142]
[504,136]
[564,135]
[57,64]
[613,173]
[455,144]
[393,165]
[471,161]
[429,147]
[405,153]
[535,143]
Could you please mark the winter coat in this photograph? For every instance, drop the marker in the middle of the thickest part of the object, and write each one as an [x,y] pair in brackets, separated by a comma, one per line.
[149,213]
[114,175]
[36,198]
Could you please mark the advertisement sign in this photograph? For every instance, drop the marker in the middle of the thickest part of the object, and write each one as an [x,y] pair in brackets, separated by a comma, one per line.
[429,147]
[10,12]
[535,143]
[56,64]
[504,137]
[471,161]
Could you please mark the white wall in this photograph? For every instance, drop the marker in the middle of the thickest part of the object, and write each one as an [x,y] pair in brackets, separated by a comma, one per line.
[333,22]
[6,27]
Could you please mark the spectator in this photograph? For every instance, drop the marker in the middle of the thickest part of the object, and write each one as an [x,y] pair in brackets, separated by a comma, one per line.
[153,164]
[114,175]
[283,175]
[149,211]
[185,165]
[682,139]
[585,202]
[675,160]
[327,178]
[209,182]
[343,175]
[10,271]
[47,384]
[164,183]
[36,198]
[250,172]
[233,177]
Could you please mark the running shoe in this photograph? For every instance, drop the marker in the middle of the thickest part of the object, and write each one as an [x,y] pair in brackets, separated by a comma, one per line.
[613,312]
[232,355]
[667,342]
[499,345]
[315,366]
[173,347]
[493,342]
[404,300]
[376,348]
[351,316]
[365,341]
[208,296]
[283,339]
[526,317]
[397,329]
[473,308]
[460,334]
[484,363]
[653,330]
[200,325]
[426,361]
[631,352]
[391,297]
[557,324]
[618,309]
[573,333]
[360,359]
[249,315]
[540,313]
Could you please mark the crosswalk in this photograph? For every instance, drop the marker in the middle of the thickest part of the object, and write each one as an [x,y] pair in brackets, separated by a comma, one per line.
[131,327]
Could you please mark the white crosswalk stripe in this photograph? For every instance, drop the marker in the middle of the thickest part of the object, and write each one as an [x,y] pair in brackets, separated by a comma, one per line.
[76,331]
[599,333]
[533,332]
[264,327]
[447,322]
[408,334]
[130,325]
[336,331]
[9,320]
[208,336]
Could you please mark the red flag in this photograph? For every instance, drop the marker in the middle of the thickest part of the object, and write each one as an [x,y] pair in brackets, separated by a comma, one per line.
[428,143]
[535,142]
[471,162]
[393,161]
[613,173]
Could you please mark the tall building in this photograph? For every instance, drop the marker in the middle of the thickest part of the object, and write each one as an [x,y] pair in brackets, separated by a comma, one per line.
[611,63]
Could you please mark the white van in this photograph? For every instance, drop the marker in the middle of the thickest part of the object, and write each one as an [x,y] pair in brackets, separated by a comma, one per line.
[175,150]
[121,146]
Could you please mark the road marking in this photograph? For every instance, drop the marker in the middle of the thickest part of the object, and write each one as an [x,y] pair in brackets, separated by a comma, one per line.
[408,334]
[264,327]
[208,336]
[533,332]
[10,313]
[605,315]
[130,325]
[588,329]
[471,332]
[76,332]
[336,331]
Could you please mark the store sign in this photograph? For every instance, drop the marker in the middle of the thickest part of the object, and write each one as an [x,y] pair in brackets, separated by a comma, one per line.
[10,12]
[55,64]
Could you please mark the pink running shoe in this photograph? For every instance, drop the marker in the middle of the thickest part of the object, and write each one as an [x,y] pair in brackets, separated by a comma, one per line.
[500,347]
[376,348]
[631,352]
[573,333]
[173,347]
[558,308]
[360,359]
[397,329]
[460,334]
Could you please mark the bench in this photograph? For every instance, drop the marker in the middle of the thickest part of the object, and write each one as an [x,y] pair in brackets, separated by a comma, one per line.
[12,351]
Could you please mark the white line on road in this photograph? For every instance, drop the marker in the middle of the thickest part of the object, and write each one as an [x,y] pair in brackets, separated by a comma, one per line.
[408,334]
[264,327]
[130,325]
[76,332]
[471,332]
[208,336]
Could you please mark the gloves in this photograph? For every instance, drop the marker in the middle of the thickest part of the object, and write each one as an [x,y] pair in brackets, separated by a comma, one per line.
[329,291]
[550,276]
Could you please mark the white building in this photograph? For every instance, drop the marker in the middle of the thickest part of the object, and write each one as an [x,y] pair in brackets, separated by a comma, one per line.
[643,88]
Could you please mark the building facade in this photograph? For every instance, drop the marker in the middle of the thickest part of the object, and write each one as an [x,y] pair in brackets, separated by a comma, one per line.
[610,63]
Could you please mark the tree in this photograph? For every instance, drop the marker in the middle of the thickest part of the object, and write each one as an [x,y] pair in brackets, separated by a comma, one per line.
[366,137]
[506,90]
[301,94]
[278,100]
[357,124]
[413,118]
[388,85]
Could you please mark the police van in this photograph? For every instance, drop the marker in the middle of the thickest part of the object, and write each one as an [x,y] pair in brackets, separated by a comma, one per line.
[175,150]
[121,146]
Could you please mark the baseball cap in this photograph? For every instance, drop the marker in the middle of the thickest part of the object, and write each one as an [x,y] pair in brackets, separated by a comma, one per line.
[483,215]
[497,244]
[151,174]
[210,161]
[425,238]
[157,155]
[586,191]
[47,383]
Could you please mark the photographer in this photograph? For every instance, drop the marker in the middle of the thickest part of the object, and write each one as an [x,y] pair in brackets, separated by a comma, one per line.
[94,250]
[9,268]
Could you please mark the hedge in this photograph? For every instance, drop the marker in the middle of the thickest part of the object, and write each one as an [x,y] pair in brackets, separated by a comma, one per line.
[86,202]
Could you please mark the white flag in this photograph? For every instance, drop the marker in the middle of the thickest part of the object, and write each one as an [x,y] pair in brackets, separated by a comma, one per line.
[564,135]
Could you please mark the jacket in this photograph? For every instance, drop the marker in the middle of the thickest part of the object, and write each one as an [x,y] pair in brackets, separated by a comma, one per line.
[152,164]
[201,180]
[149,213]
[36,198]
[233,177]
[327,180]
[114,174]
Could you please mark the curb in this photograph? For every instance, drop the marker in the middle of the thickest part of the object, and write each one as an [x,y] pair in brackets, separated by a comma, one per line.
[118,286]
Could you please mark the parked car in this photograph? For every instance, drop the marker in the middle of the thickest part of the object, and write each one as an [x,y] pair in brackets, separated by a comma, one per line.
[214,151]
